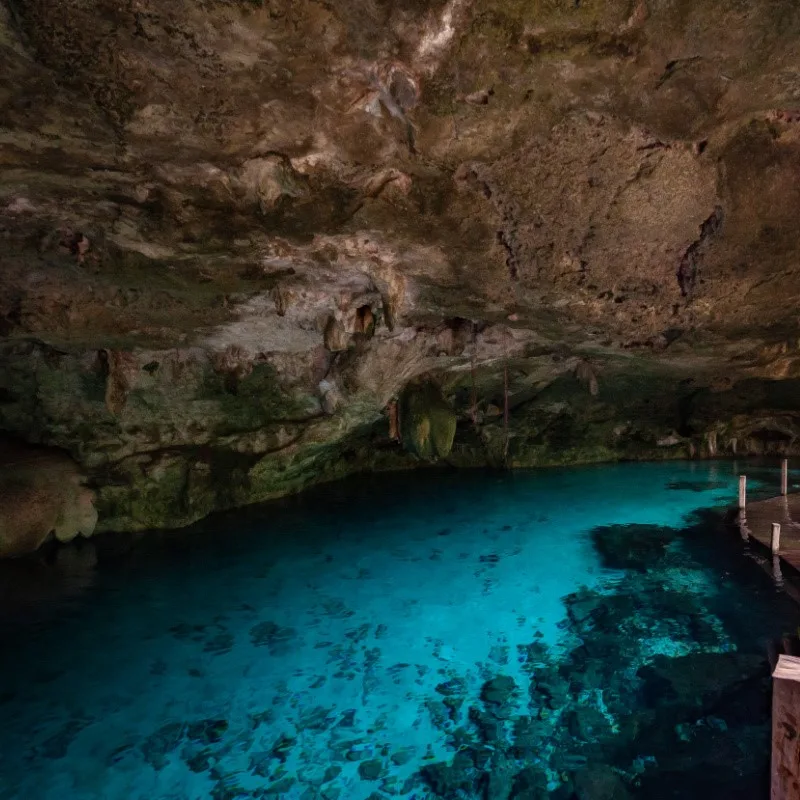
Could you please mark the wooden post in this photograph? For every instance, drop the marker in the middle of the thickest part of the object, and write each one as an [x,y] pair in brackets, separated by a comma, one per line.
[775,540]
[785,778]
[785,476]
[742,491]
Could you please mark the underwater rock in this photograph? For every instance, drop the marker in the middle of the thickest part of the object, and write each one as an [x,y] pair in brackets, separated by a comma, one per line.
[452,686]
[549,688]
[600,782]
[582,605]
[401,757]
[348,719]
[636,547]
[499,780]
[207,731]
[281,787]
[695,486]
[219,643]
[439,713]
[528,736]
[530,783]
[499,691]
[316,719]
[199,762]
[427,422]
[56,746]
[371,770]
[275,637]
[534,657]
[157,746]
[447,780]
[489,726]
[697,679]
[332,773]
[499,654]
[282,747]
[587,723]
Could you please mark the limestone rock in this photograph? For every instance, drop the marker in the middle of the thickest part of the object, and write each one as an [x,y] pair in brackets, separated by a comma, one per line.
[122,370]
[41,496]
[336,337]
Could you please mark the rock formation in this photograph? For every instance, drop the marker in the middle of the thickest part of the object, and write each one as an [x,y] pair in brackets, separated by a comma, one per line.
[42,496]
[427,421]
[235,230]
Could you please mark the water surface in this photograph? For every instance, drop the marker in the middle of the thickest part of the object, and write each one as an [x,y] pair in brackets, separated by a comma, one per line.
[590,632]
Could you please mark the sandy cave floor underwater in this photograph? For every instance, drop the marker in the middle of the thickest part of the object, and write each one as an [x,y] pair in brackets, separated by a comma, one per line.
[592,633]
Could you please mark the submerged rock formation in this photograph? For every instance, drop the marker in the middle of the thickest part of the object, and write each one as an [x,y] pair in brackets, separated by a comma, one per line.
[235,231]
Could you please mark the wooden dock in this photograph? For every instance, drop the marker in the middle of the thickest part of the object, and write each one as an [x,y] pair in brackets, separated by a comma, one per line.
[756,521]
[775,524]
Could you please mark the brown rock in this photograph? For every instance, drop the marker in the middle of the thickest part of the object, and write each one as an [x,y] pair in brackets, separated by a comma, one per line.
[41,496]
[336,337]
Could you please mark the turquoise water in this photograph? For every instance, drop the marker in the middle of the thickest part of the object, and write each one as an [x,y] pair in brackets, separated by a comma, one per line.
[590,633]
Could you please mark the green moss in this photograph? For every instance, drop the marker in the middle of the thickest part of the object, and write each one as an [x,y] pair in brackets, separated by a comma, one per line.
[252,401]
[137,500]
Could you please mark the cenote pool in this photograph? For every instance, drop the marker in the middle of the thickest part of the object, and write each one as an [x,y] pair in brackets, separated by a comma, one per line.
[590,633]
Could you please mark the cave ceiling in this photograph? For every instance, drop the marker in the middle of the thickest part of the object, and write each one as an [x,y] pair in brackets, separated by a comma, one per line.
[356,194]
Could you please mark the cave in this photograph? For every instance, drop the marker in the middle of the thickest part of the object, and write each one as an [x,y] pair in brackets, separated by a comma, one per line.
[375,377]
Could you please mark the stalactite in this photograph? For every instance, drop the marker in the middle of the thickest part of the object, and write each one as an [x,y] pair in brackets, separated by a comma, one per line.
[394,420]
[585,373]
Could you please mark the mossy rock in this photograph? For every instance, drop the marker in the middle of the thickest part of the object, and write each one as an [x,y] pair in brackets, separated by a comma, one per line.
[427,422]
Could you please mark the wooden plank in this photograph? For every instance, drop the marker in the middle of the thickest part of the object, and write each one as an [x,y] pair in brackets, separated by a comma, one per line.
[785,771]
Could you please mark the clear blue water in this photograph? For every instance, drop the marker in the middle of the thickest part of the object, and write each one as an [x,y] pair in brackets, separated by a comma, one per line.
[590,633]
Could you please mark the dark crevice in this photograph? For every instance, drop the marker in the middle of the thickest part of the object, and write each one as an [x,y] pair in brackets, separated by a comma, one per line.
[506,236]
[511,259]
[672,67]
[691,260]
